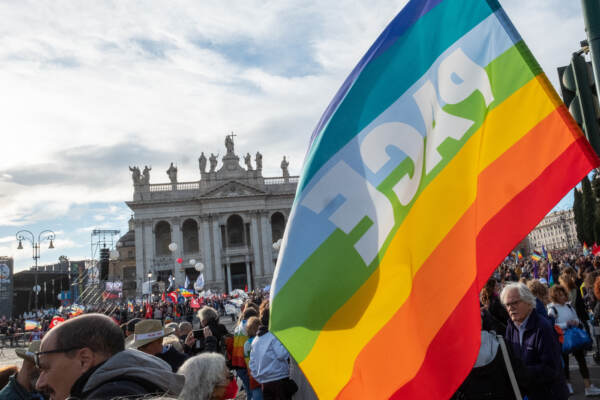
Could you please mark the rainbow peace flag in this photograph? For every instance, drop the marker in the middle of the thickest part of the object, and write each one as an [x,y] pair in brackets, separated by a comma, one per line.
[185,293]
[535,256]
[31,325]
[586,249]
[443,148]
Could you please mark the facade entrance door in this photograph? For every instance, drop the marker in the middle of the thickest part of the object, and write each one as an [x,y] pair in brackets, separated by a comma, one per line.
[238,276]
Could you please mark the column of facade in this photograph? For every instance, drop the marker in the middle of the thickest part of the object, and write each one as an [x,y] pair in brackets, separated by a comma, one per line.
[267,239]
[177,237]
[140,262]
[218,268]
[228,276]
[149,251]
[248,275]
[256,241]
[204,235]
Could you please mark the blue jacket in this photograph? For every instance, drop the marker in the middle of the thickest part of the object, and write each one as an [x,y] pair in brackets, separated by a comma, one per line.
[268,359]
[14,391]
[538,362]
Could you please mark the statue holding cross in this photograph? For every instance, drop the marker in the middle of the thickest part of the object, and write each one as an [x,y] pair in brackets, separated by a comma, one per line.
[229,143]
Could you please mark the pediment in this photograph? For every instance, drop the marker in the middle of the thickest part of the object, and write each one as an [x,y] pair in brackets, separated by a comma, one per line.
[233,189]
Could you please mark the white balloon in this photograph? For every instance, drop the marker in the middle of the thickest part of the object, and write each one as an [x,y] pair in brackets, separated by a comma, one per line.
[199,266]
[173,246]
[192,262]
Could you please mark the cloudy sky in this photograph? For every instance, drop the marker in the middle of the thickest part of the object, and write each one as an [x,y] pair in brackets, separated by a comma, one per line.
[88,88]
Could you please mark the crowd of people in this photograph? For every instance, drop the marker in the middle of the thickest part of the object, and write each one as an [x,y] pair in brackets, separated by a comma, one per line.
[536,314]
[542,312]
[154,352]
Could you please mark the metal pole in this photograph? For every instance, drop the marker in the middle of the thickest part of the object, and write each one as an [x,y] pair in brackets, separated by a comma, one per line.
[591,17]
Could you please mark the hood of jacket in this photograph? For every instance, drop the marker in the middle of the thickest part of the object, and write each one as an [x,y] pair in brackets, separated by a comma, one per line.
[136,364]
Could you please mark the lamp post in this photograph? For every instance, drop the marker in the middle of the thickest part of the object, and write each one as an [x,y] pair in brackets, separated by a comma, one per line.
[35,245]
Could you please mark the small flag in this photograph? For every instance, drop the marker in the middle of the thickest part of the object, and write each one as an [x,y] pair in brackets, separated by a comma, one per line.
[550,257]
[163,297]
[187,282]
[194,303]
[535,270]
[185,293]
[536,256]
[148,311]
[130,306]
[172,296]
[586,250]
[31,325]
[544,252]
[171,283]
[519,255]
[550,277]
[199,284]
[595,249]
[55,321]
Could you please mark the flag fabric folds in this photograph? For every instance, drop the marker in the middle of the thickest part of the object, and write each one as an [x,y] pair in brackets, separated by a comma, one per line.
[443,148]
[536,256]
[199,284]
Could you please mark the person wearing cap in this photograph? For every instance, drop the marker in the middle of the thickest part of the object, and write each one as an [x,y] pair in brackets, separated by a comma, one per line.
[21,386]
[148,338]
[85,358]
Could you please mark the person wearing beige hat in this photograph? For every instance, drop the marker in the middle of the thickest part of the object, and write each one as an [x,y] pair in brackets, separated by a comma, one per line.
[22,385]
[148,337]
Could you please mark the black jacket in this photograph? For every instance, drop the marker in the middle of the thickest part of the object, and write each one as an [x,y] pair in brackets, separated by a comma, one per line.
[129,373]
[173,357]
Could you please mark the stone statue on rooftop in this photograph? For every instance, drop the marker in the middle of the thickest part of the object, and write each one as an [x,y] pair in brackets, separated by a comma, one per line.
[136,175]
[258,161]
[146,175]
[229,143]
[213,162]
[284,168]
[172,173]
[202,162]
[248,161]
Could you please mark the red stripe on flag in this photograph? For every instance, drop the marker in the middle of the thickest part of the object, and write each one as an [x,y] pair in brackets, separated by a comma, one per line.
[503,231]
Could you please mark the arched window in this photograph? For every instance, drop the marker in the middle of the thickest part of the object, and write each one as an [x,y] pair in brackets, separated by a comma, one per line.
[277,226]
[162,235]
[235,230]
[190,236]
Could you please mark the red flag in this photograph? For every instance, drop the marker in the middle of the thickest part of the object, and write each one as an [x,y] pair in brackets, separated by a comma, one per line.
[246,288]
[148,311]
[55,321]
[173,297]
[163,298]
[194,303]
[595,249]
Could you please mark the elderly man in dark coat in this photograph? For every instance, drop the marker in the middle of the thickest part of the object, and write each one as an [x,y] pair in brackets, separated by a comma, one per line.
[534,346]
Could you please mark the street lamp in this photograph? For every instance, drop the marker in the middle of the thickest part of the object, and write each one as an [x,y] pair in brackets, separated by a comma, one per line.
[30,237]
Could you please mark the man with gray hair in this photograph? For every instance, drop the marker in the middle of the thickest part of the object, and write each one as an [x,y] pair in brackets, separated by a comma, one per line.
[534,346]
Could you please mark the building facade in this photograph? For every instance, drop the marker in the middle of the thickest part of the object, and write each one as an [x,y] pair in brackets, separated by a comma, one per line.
[555,232]
[228,221]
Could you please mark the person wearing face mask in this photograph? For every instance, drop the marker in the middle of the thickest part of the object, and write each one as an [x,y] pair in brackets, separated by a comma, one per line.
[21,386]
[148,338]
[207,378]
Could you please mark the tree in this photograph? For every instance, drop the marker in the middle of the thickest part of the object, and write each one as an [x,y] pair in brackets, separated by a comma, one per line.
[589,211]
[578,214]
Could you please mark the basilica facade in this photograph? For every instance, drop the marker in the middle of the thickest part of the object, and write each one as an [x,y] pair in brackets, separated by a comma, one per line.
[228,220]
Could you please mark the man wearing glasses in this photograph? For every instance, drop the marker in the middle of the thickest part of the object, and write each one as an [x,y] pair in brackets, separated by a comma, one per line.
[534,347]
[84,357]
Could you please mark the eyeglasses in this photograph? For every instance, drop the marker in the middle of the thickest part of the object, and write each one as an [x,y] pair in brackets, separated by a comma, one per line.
[512,304]
[36,356]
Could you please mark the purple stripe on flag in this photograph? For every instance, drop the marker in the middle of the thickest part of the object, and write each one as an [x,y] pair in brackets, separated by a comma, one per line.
[409,15]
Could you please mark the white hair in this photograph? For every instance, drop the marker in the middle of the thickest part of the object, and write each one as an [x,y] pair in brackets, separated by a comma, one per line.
[207,314]
[524,293]
[202,373]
